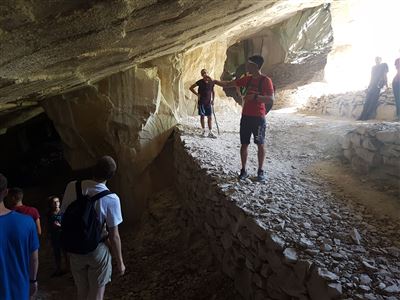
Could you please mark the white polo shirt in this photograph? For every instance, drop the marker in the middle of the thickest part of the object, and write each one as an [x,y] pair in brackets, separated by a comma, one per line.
[108,207]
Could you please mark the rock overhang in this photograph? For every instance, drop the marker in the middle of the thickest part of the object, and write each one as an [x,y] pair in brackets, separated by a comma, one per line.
[49,48]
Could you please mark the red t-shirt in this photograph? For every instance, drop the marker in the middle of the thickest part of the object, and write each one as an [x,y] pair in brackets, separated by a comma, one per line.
[27,210]
[253,107]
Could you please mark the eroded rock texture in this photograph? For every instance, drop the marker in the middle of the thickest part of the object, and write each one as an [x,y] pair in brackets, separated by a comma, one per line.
[52,47]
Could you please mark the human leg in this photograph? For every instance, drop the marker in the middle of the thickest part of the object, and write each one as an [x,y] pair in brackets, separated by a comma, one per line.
[371,103]
[209,123]
[245,134]
[202,122]
[99,272]
[243,155]
[261,156]
[56,245]
[79,270]
[396,92]
[97,293]
[259,139]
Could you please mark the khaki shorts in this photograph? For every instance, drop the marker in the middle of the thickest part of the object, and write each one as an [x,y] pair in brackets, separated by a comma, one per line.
[93,269]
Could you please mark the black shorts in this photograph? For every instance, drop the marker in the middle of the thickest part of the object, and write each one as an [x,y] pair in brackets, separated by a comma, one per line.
[252,125]
[205,110]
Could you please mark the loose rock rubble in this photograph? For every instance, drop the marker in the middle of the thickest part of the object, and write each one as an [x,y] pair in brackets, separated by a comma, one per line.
[374,147]
[352,252]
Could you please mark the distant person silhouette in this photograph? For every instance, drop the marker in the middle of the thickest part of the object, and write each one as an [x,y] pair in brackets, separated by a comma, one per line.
[396,88]
[377,82]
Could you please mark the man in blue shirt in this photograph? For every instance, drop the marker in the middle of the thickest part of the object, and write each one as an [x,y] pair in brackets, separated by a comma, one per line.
[19,246]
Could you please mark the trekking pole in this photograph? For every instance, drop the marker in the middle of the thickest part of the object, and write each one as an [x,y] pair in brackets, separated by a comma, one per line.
[215,118]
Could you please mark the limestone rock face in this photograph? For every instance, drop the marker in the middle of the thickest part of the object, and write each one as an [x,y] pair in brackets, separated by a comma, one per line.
[125,115]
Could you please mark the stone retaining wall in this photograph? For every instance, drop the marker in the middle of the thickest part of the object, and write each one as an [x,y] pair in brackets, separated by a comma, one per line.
[254,257]
[350,105]
[374,147]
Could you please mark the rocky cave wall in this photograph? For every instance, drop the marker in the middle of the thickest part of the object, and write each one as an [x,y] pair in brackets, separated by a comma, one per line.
[130,115]
[124,115]
[374,148]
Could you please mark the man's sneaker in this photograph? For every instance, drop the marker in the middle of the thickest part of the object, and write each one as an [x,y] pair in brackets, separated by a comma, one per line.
[212,135]
[203,133]
[243,174]
[260,176]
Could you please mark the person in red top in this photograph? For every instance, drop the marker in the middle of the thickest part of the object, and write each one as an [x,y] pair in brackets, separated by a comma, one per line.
[15,196]
[258,100]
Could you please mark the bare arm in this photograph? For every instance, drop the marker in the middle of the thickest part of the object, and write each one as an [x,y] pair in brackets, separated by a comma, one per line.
[115,242]
[193,90]
[38,227]
[231,83]
[33,270]
[265,99]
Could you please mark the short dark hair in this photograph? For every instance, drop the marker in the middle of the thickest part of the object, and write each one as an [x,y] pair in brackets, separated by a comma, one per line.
[105,168]
[16,192]
[257,59]
[3,182]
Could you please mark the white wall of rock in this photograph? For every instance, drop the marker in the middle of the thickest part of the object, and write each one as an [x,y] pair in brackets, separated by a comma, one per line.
[350,105]
[374,147]
[254,257]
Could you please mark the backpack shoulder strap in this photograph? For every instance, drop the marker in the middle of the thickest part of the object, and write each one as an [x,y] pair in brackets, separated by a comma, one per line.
[100,195]
[246,89]
[78,189]
[260,83]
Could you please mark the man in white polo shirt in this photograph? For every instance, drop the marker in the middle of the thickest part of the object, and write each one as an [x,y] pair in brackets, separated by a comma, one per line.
[92,271]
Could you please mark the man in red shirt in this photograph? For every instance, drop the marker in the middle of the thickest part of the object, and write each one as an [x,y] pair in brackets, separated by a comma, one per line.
[258,100]
[15,196]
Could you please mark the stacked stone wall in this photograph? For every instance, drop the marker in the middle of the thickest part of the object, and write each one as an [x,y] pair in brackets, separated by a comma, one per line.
[350,105]
[254,257]
[374,147]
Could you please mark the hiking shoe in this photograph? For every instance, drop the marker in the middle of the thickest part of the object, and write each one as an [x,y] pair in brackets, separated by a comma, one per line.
[212,135]
[243,174]
[260,176]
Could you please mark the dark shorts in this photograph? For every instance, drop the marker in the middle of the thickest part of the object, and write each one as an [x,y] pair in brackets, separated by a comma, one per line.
[255,126]
[205,110]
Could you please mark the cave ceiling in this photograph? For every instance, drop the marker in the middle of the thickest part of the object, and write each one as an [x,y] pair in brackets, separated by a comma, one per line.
[50,47]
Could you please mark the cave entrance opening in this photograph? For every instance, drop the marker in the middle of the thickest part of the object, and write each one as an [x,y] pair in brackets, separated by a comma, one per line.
[295,53]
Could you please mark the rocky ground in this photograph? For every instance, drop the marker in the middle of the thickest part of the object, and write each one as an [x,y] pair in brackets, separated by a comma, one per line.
[323,217]
[321,210]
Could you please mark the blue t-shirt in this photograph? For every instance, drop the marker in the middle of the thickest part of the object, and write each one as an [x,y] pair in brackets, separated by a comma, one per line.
[18,240]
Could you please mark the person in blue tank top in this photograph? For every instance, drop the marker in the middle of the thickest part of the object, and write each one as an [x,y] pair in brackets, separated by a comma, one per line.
[19,246]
